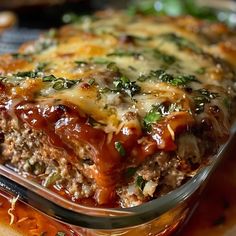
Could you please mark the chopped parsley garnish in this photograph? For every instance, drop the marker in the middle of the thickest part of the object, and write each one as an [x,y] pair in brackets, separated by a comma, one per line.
[123,84]
[59,83]
[152,117]
[119,147]
[164,57]
[125,53]
[34,73]
[157,112]
[104,90]
[100,60]
[140,182]
[41,66]
[183,80]
[181,42]
[62,83]
[113,67]
[203,97]
[49,78]
[201,71]
[141,38]
[81,63]
[163,76]
[31,74]
[91,82]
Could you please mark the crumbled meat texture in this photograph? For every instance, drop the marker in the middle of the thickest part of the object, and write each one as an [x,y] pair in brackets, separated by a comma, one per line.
[29,151]
[159,173]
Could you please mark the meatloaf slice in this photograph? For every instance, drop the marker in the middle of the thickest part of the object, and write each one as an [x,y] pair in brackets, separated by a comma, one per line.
[117,110]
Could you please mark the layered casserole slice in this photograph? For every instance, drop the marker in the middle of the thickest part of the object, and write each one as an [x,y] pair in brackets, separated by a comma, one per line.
[116,110]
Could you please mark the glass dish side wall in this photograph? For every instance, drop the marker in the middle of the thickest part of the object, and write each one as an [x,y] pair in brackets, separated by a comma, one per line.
[164,225]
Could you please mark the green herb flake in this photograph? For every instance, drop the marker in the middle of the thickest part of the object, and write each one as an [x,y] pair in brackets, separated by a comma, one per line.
[112,67]
[41,66]
[119,147]
[183,80]
[176,80]
[60,233]
[141,38]
[140,182]
[100,60]
[143,78]
[81,63]
[66,83]
[151,117]
[125,53]
[52,33]
[49,78]
[30,74]
[159,111]
[123,84]
[201,71]
[60,83]
[164,57]
[181,42]
[104,90]
[91,82]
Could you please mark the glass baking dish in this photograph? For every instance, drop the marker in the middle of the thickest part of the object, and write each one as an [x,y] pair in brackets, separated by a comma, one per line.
[160,217]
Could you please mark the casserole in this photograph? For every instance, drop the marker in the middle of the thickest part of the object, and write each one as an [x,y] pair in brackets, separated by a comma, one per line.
[98,88]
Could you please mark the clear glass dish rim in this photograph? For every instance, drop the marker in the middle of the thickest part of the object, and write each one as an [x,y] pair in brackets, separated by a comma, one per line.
[66,211]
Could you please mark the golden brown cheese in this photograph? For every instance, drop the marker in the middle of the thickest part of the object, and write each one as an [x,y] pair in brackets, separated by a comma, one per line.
[126,91]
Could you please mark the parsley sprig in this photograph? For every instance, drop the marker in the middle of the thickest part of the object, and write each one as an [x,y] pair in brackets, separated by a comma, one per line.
[163,76]
[158,112]
[59,83]
[140,182]
[120,148]
[123,84]
[181,42]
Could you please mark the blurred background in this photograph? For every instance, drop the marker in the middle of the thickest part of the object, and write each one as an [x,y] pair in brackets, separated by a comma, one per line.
[23,20]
